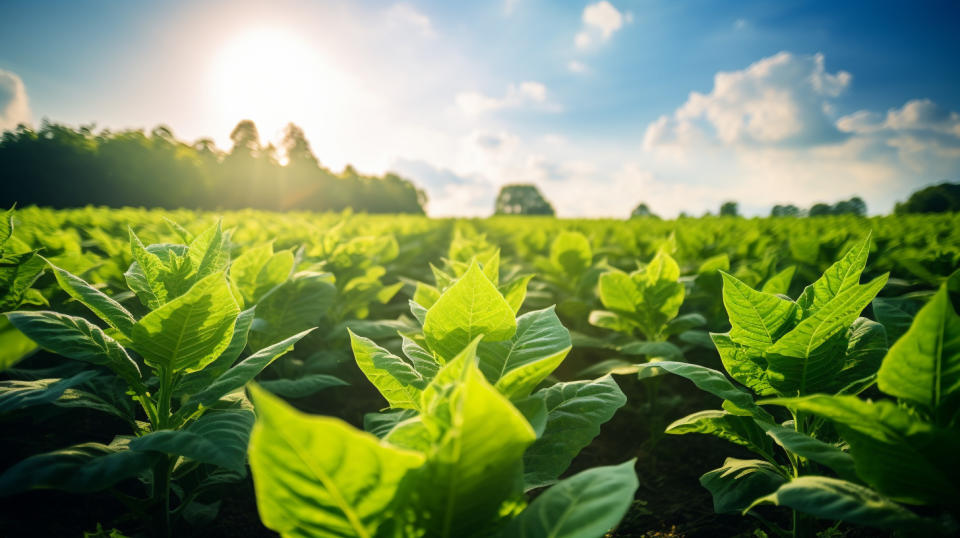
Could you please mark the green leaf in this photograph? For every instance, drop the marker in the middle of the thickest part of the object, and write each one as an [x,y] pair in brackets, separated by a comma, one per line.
[197,381]
[78,469]
[904,458]
[619,292]
[14,345]
[737,429]
[746,365]
[896,314]
[808,358]
[923,366]
[318,476]
[218,438]
[396,379]
[866,347]
[99,303]
[515,292]
[814,450]
[517,366]
[190,331]
[611,321]
[713,382]
[684,323]
[423,362]
[19,394]
[653,350]
[570,252]
[838,278]
[245,371]
[470,307]
[478,441]
[738,483]
[148,284]
[830,498]
[17,273]
[296,305]
[575,412]
[78,339]
[302,387]
[779,284]
[588,504]
[758,319]
[207,252]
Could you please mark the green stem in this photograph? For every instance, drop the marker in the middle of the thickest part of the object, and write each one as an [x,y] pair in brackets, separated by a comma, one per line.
[164,468]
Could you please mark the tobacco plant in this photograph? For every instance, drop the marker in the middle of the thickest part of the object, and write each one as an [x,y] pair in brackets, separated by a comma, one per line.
[172,375]
[466,435]
[786,348]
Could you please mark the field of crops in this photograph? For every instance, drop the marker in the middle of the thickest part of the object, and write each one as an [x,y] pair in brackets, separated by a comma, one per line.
[174,373]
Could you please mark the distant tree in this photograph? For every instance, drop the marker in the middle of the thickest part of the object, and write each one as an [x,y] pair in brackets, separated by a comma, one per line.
[788,210]
[296,148]
[933,199]
[642,211]
[245,138]
[522,200]
[820,209]
[729,209]
[853,206]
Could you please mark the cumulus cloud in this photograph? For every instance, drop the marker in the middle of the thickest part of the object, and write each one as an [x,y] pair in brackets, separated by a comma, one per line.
[405,15]
[474,103]
[449,193]
[783,99]
[600,21]
[14,106]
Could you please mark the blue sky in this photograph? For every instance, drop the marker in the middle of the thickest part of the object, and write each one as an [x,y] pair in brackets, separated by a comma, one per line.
[601,104]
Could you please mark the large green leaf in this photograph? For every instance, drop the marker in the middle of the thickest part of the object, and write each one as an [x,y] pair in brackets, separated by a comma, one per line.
[396,379]
[296,305]
[99,303]
[17,273]
[190,331]
[259,269]
[477,443]
[746,365]
[758,319]
[586,505]
[738,483]
[208,253]
[78,469]
[831,498]
[619,292]
[218,438]
[866,347]
[812,449]
[713,382]
[903,457]
[197,381]
[20,394]
[737,429]
[78,339]
[518,365]
[838,278]
[14,345]
[808,358]
[470,307]
[318,476]
[570,252]
[147,278]
[244,372]
[575,412]
[923,366]
[302,387]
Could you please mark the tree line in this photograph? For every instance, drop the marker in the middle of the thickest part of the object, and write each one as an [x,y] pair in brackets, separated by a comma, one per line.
[60,166]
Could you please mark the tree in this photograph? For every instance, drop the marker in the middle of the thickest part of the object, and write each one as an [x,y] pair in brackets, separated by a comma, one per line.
[296,147]
[245,138]
[522,200]
[820,209]
[729,209]
[934,199]
[854,206]
[788,210]
[642,210]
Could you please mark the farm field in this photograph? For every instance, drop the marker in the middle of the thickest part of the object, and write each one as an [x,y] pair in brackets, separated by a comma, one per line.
[247,373]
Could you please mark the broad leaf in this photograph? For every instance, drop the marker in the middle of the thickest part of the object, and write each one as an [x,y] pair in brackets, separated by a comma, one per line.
[713,382]
[296,305]
[20,394]
[575,412]
[518,365]
[190,331]
[746,365]
[758,319]
[738,483]
[815,450]
[302,387]
[570,252]
[318,476]
[588,504]
[838,278]
[741,430]
[396,379]
[218,438]
[99,303]
[470,307]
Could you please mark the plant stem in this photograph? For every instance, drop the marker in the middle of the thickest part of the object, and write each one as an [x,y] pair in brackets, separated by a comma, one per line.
[162,472]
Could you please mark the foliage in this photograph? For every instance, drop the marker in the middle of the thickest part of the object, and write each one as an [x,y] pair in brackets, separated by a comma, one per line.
[933,199]
[521,200]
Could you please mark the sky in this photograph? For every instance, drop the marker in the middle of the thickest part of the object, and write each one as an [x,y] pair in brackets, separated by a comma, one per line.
[678,104]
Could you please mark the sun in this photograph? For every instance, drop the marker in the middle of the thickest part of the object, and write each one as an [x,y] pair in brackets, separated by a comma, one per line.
[272,77]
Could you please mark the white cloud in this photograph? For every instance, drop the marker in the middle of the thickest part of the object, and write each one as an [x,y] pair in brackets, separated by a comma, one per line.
[782,99]
[404,14]
[740,24]
[509,6]
[14,106]
[578,67]
[528,93]
[600,21]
